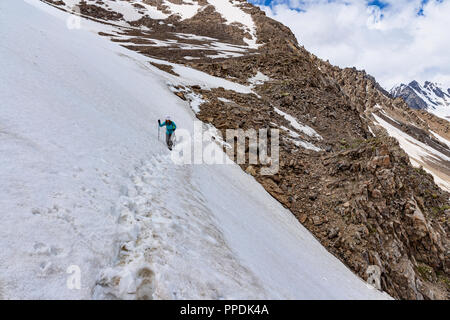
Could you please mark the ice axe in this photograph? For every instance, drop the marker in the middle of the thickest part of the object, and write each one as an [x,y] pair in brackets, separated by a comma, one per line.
[159,126]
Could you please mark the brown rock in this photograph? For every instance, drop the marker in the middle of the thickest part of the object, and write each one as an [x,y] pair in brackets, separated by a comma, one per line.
[251,170]
[381,161]
[376,194]
[419,226]
[317,221]
[180,95]
[303,218]
[383,151]
[333,233]
[385,162]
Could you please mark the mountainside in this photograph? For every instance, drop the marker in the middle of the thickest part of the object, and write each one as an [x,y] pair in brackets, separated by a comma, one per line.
[366,174]
[88,185]
[431,97]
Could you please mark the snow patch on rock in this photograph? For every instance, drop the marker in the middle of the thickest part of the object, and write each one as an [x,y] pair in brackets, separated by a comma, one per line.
[298,126]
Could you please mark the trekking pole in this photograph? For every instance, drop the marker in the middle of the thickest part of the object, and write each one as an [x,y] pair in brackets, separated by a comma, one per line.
[158,131]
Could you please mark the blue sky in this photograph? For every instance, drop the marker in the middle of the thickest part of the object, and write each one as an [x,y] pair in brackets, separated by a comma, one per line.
[394,40]
[297,5]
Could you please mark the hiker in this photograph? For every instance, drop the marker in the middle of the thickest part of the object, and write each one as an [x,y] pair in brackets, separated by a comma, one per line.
[170,130]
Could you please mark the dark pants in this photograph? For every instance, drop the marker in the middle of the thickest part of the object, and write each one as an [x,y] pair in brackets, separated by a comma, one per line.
[169,139]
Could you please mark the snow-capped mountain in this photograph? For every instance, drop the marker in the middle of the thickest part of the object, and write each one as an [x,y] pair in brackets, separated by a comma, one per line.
[87,182]
[430,96]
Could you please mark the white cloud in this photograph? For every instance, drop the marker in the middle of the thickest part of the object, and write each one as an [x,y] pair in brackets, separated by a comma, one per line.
[393,44]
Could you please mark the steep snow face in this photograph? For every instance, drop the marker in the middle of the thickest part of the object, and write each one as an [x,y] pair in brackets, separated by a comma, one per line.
[430,96]
[88,186]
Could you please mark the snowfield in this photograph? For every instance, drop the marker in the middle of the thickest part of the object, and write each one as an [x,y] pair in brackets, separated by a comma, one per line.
[84,181]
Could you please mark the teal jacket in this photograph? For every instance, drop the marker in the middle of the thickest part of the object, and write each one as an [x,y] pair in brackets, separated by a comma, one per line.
[170,128]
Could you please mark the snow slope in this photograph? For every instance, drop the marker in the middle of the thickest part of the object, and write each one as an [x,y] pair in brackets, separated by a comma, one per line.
[85,182]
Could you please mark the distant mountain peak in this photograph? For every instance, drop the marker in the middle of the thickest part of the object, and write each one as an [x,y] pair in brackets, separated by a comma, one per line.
[430,96]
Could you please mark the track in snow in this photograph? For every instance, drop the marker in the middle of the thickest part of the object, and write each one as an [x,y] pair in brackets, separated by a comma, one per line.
[166,214]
